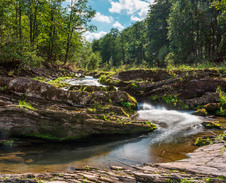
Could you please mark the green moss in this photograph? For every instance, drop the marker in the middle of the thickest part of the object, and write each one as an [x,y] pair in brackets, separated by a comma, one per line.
[203,141]
[126,114]
[211,124]
[24,104]
[42,79]
[149,124]
[54,138]
[201,112]
[58,82]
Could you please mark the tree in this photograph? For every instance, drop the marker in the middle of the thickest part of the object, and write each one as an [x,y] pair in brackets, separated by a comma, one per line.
[79,15]
[158,29]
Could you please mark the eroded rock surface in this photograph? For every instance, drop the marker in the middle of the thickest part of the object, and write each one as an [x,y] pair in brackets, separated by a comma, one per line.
[176,88]
[55,114]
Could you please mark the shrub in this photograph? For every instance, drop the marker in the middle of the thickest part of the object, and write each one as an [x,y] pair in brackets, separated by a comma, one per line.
[15,52]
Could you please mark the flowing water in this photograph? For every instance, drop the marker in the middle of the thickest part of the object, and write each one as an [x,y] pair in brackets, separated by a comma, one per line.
[170,142]
[176,133]
[87,81]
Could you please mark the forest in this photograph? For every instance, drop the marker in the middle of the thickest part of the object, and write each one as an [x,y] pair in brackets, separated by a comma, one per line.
[175,32]
[40,32]
[36,32]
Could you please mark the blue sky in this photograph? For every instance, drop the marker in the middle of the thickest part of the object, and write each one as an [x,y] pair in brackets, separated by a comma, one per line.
[116,14]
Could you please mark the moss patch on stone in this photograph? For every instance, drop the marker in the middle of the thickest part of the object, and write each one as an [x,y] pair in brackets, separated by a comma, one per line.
[211,124]
[201,112]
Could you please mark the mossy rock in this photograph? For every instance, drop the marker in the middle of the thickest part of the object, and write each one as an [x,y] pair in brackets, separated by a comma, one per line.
[211,124]
[201,112]
[204,141]
[212,107]
[92,88]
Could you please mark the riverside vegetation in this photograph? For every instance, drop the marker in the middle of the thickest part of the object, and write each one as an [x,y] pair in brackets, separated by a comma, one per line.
[41,47]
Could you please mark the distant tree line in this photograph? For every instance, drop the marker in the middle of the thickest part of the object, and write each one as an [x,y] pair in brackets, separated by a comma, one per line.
[175,32]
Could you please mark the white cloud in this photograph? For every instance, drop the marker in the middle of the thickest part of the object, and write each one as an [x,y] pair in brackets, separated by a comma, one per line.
[102,18]
[131,7]
[91,36]
[135,18]
[118,26]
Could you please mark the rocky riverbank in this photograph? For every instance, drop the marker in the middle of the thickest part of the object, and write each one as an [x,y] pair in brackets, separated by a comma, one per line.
[31,108]
[178,89]
[206,164]
[43,110]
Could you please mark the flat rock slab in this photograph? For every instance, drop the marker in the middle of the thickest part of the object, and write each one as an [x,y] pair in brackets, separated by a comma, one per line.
[207,160]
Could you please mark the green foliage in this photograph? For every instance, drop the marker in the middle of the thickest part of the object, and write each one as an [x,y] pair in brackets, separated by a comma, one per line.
[94,61]
[134,85]
[174,33]
[9,143]
[170,99]
[222,95]
[25,105]
[163,52]
[126,104]
[169,60]
[104,79]
[221,112]
[17,52]
[35,31]
[3,88]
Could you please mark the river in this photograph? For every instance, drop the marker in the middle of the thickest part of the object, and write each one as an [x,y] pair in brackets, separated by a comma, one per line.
[176,133]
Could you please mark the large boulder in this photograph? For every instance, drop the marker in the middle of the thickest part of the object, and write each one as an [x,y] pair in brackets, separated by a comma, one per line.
[57,125]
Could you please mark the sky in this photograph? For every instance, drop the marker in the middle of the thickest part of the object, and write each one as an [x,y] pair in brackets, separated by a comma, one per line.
[116,14]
